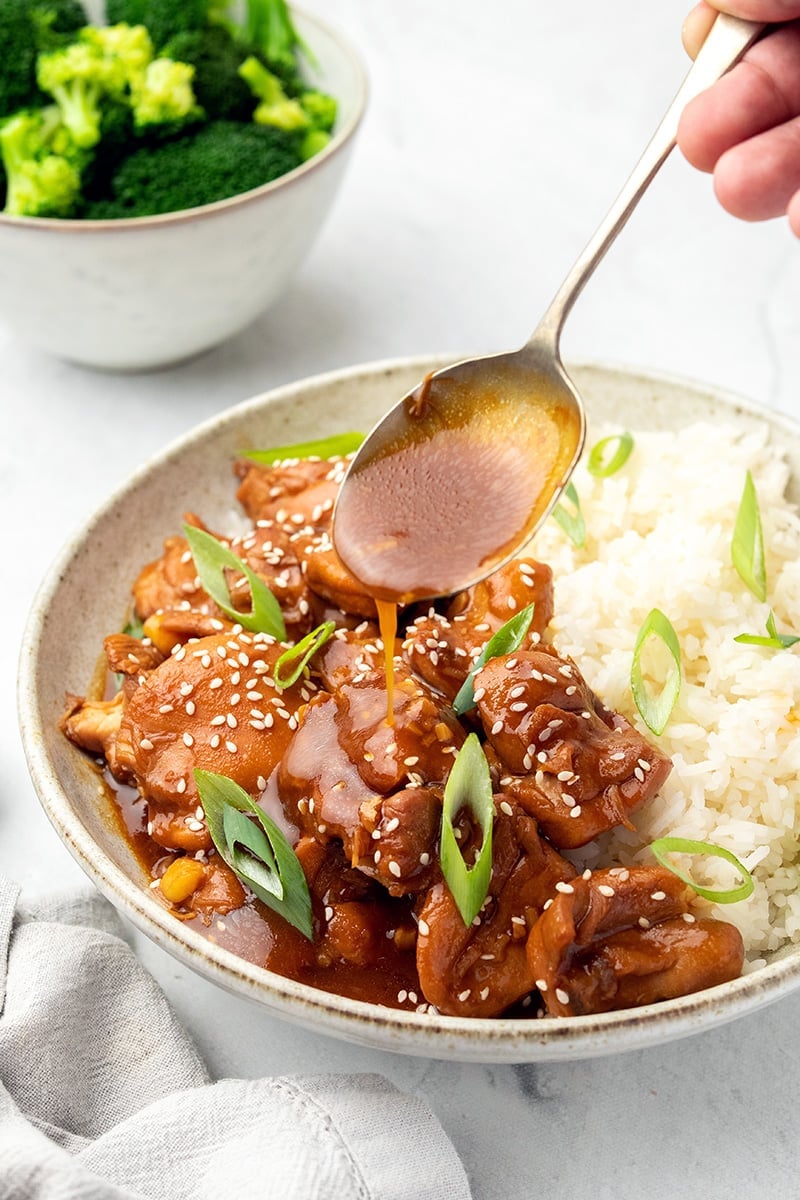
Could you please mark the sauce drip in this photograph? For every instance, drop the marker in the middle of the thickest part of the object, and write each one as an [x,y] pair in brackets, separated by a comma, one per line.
[387,619]
[454,481]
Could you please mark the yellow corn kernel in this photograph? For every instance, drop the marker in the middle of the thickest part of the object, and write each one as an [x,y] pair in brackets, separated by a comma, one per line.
[161,638]
[181,878]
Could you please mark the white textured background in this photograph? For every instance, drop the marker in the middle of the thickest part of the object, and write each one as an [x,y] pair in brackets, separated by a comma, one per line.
[497,136]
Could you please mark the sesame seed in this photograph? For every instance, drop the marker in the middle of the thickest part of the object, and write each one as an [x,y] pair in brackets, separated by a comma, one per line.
[261,783]
[561,996]
[605,890]
[506,808]
[567,888]
[465,995]
[146,744]
[541,984]
[478,694]
[658,896]
[510,664]
[518,706]
[424,927]
[496,728]
[231,747]
[519,690]
[218,720]
[689,918]
[576,811]
[411,761]
[188,740]
[484,993]
[424,858]
[214,741]
[231,720]
[394,868]
[402,996]
[167,708]
[180,786]
[643,921]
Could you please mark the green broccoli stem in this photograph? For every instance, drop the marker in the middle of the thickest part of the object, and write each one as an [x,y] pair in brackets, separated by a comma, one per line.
[79,103]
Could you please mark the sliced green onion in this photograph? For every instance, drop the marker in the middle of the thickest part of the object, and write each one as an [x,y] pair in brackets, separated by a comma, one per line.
[747,544]
[469,785]
[298,656]
[775,640]
[571,522]
[676,845]
[610,454]
[134,627]
[212,559]
[331,447]
[258,854]
[505,640]
[656,709]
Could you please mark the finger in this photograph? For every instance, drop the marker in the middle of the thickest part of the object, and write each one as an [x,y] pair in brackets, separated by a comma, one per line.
[757,179]
[762,91]
[793,213]
[696,27]
[759,10]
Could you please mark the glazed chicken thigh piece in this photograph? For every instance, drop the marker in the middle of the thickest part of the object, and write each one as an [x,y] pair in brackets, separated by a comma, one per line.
[575,766]
[622,937]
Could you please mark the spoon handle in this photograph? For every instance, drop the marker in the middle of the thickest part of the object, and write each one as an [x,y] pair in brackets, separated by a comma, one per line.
[725,44]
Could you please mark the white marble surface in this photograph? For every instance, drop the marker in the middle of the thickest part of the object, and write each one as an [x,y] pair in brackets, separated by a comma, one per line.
[497,136]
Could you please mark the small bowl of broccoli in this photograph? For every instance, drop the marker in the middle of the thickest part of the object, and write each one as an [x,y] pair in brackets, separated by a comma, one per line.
[165,166]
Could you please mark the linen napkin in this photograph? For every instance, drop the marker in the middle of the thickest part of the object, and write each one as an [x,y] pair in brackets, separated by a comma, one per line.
[104,1097]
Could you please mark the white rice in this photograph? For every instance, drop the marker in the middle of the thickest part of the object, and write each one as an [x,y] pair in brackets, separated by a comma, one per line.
[659,535]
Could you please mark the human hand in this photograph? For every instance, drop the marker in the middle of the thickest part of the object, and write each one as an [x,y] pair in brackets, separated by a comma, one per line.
[746,128]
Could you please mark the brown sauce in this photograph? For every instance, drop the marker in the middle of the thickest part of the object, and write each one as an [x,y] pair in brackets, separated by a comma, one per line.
[454,486]
[387,620]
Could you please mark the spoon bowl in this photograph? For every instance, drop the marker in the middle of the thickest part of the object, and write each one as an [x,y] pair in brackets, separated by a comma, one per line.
[459,475]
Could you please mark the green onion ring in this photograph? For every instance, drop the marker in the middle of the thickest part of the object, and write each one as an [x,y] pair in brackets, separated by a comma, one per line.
[572,523]
[301,653]
[258,854]
[774,640]
[212,559]
[332,447]
[661,847]
[747,543]
[656,710]
[505,640]
[468,785]
[600,464]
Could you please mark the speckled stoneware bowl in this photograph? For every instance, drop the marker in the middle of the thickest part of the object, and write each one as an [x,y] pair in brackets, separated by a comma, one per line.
[71,615]
[146,292]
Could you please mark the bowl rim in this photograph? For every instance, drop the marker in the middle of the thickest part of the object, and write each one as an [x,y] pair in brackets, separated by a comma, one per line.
[340,139]
[495,1040]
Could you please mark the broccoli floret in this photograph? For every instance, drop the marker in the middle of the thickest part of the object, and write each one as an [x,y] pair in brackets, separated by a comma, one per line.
[116,141]
[25,29]
[221,159]
[78,77]
[163,98]
[129,45]
[216,58]
[42,165]
[320,108]
[269,28]
[163,18]
[275,107]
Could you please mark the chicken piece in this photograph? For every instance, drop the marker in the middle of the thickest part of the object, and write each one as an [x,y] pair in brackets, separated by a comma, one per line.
[481,969]
[442,649]
[354,916]
[575,766]
[126,655]
[93,724]
[348,654]
[349,775]
[298,493]
[213,705]
[170,584]
[625,937]
[328,577]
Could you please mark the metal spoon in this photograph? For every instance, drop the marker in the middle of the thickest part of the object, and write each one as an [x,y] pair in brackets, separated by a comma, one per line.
[457,477]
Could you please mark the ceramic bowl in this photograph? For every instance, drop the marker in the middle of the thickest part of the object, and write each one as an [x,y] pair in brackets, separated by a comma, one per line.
[87,593]
[149,291]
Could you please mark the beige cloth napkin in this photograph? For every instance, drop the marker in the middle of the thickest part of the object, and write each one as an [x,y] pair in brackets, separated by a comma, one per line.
[103,1096]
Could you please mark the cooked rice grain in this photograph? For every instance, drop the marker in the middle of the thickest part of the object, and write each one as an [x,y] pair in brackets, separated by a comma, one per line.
[659,535]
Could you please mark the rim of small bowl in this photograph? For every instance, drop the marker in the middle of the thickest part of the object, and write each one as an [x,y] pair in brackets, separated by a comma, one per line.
[338,141]
[496,1040]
